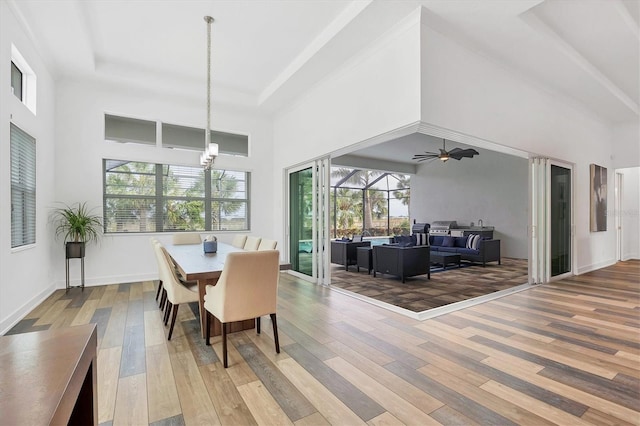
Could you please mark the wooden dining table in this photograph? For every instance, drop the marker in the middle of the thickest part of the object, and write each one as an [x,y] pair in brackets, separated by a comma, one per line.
[205,268]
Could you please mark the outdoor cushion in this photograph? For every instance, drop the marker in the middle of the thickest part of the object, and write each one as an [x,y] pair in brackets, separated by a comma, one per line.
[473,241]
[449,249]
[467,251]
[460,241]
[447,241]
[437,240]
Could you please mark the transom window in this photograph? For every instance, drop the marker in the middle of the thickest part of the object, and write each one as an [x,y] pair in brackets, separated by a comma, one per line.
[148,197]
[16,81]
[136,131]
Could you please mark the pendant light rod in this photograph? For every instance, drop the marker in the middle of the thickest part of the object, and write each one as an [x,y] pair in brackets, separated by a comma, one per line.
[210,149]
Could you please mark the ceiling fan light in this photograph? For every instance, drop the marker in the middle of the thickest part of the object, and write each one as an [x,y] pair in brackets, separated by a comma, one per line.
[444,158]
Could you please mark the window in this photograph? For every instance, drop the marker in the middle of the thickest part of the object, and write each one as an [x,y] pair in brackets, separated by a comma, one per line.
[16,81]
[23,188]
[23,80]
[182,137]
[131,130]
[146,197]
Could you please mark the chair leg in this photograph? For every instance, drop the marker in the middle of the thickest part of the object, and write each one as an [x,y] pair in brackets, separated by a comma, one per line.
[159,289]
[224,345]
[173,319]
[167,311]
[275,332]
[258,325]
[163,299]
[207,326]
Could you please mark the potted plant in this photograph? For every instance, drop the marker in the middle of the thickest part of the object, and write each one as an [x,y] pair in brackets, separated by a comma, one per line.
[77,226]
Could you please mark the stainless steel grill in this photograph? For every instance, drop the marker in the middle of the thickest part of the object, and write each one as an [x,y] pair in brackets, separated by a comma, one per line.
[420,228]
[442,227]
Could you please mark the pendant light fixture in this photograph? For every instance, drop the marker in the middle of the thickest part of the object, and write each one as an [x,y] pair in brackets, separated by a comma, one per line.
[210,149]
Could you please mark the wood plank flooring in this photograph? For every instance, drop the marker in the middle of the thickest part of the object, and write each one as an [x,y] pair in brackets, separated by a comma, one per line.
[566,353]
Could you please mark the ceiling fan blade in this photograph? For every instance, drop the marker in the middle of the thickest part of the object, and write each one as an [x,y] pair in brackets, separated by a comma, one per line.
[425,156]
[458,153]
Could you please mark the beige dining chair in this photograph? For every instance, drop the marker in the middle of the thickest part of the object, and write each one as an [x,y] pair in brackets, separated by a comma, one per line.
[239,240]
[186,238]
[177,293]
[266,244]
[252,243]
[246,289]
[160,291]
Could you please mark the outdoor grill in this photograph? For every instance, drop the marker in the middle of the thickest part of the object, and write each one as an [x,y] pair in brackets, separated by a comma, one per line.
[420,228]
[421,232]
[442,227]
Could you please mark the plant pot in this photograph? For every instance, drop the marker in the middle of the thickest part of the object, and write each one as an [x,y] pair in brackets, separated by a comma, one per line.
[74,250]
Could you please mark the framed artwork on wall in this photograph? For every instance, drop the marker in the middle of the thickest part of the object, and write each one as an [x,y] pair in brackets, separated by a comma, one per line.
[598,208]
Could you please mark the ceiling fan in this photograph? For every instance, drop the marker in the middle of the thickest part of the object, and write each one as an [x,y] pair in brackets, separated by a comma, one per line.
[444,155]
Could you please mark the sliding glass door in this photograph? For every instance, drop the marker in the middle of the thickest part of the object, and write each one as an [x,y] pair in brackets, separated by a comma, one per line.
[551,244]
[560,209]
[308,220]
[301,220]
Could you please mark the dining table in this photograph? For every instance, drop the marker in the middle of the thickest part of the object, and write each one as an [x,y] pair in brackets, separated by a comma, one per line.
[205,268]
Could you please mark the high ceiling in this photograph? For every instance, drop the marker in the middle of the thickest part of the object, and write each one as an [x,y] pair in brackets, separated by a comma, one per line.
[267,52]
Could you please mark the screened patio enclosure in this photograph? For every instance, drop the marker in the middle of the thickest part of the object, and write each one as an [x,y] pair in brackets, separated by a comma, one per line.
[369,203]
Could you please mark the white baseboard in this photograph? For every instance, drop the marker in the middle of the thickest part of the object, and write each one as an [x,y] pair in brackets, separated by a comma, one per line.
[23,310]
[631,256]
[114,279]
[588,268]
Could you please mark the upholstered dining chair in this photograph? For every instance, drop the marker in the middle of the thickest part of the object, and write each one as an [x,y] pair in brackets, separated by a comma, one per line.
[246,289]
[239,241]
[252,243]
[177,293]
[266,244]
[186,238]
[160,291]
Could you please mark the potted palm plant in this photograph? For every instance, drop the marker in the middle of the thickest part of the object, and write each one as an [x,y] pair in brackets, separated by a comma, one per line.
[77,226]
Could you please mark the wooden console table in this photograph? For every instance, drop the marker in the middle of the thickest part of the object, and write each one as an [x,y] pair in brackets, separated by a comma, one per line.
[49,377]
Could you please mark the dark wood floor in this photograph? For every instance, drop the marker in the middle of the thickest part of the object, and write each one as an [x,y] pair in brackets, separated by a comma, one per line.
[446,286]
[566,353]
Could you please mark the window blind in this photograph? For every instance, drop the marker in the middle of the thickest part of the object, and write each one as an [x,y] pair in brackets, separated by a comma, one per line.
[23,188]
[129,130]
[147,197]
[183,137]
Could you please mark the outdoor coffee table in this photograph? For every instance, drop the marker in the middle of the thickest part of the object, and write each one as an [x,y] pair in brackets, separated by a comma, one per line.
[445,258]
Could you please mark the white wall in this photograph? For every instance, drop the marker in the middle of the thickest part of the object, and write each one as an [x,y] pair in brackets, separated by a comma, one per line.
[491,187]
[80,148]
[626,145]
[468,93]
[25,274]
[375,92]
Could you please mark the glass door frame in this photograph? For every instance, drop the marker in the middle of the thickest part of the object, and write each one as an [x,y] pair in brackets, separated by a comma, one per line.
[540,217]
[320,219]
[572,251]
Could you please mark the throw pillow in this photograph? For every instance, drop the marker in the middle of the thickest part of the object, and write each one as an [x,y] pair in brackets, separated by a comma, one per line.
[447,241]
[460,242]
[473,241]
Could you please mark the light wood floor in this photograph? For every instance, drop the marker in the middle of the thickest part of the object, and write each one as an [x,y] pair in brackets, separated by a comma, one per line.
[566,353]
